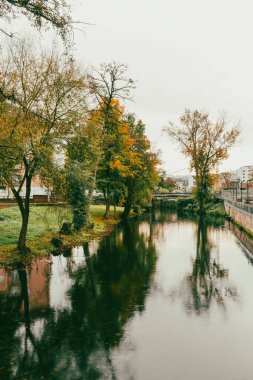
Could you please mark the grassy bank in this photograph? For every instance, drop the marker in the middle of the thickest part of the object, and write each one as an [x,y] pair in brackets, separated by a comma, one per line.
[44,224]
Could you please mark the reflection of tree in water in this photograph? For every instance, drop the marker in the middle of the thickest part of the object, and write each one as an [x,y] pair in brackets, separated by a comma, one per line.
[209,280]
[15,347]
[158,220]
[76,343]
[115,284]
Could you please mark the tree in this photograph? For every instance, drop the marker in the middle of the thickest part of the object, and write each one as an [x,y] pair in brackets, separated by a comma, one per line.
[111,166]
[142,176]
[206,144]
[166,183]
[109,86]
[227,178]
[48,99]
[41,13]
[170,184]
[83,153]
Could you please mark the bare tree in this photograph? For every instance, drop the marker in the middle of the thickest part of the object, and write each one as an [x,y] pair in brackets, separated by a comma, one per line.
[108,83]
[227,178]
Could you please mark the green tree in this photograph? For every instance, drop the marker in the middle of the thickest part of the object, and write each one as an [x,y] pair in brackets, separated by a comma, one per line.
[83,153]
[206,144]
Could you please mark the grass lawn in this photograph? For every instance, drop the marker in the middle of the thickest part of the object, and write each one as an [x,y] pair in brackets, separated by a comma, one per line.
[45,222]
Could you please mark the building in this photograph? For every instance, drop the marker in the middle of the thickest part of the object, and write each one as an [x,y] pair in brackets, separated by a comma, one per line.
[237,178]
[244,173]
[37,284]
[185,183]
[37,188]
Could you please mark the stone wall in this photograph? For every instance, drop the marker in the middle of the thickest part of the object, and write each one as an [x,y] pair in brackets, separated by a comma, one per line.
[244,218]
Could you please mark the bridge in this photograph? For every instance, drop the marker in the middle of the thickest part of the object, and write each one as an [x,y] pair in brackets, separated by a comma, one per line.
[168,199]
[171,195]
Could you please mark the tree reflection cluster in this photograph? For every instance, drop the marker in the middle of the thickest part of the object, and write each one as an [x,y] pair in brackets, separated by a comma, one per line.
[209,280]
[77,337]
[76,342]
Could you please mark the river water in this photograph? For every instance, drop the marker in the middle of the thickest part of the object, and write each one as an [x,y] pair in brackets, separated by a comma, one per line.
[162,298]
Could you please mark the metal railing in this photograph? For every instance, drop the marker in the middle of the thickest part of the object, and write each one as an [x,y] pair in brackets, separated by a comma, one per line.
[241,206]
[239,195]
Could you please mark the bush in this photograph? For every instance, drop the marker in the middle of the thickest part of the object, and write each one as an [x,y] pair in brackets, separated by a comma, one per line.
[137,209]
[66,228]
[184,202]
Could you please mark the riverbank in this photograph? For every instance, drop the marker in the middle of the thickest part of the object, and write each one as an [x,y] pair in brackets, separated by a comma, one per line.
[45,223]
[213,208]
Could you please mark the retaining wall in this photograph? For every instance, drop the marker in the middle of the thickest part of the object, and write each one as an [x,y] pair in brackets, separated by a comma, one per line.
[240,216]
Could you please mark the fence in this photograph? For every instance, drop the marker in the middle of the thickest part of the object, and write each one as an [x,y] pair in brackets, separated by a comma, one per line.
[238,194]
[241,206]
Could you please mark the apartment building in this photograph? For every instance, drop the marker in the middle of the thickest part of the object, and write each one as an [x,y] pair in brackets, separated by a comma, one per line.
[244,173]
[185,183]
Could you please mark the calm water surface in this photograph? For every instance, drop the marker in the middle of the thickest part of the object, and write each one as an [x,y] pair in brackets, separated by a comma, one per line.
[160,299]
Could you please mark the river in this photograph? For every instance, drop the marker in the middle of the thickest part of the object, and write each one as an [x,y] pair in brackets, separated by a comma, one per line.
[161,298]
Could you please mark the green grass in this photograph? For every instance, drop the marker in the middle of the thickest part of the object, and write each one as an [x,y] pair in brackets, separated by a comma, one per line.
[44,220]
[44,224]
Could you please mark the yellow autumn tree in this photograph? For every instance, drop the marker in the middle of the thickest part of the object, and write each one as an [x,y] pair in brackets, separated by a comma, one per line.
[48,98]
[206,144]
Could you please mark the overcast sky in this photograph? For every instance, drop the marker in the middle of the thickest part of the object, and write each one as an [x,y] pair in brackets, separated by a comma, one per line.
[184,54]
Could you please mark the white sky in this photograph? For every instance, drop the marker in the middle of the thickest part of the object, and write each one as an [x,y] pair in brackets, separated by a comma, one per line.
[184,54]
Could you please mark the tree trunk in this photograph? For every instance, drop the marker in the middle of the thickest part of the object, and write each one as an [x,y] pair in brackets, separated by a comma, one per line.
[25,211]
[115,211]
[115,207]
[107,209]
[128,206]
[23,232]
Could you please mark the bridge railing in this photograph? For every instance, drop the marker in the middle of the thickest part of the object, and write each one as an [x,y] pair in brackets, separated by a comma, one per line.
[171,195]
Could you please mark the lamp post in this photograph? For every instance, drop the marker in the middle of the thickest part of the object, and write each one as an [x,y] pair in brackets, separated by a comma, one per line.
[237,182]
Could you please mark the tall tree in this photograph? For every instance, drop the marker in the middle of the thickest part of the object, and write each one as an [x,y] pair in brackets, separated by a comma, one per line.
[111,168]
[83,154]
[142,176]
[48,100]
[109,85]
[206,144]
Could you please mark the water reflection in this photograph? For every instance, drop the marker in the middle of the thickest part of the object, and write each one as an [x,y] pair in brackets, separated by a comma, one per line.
[209,279]
[99,311]
[74,341]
